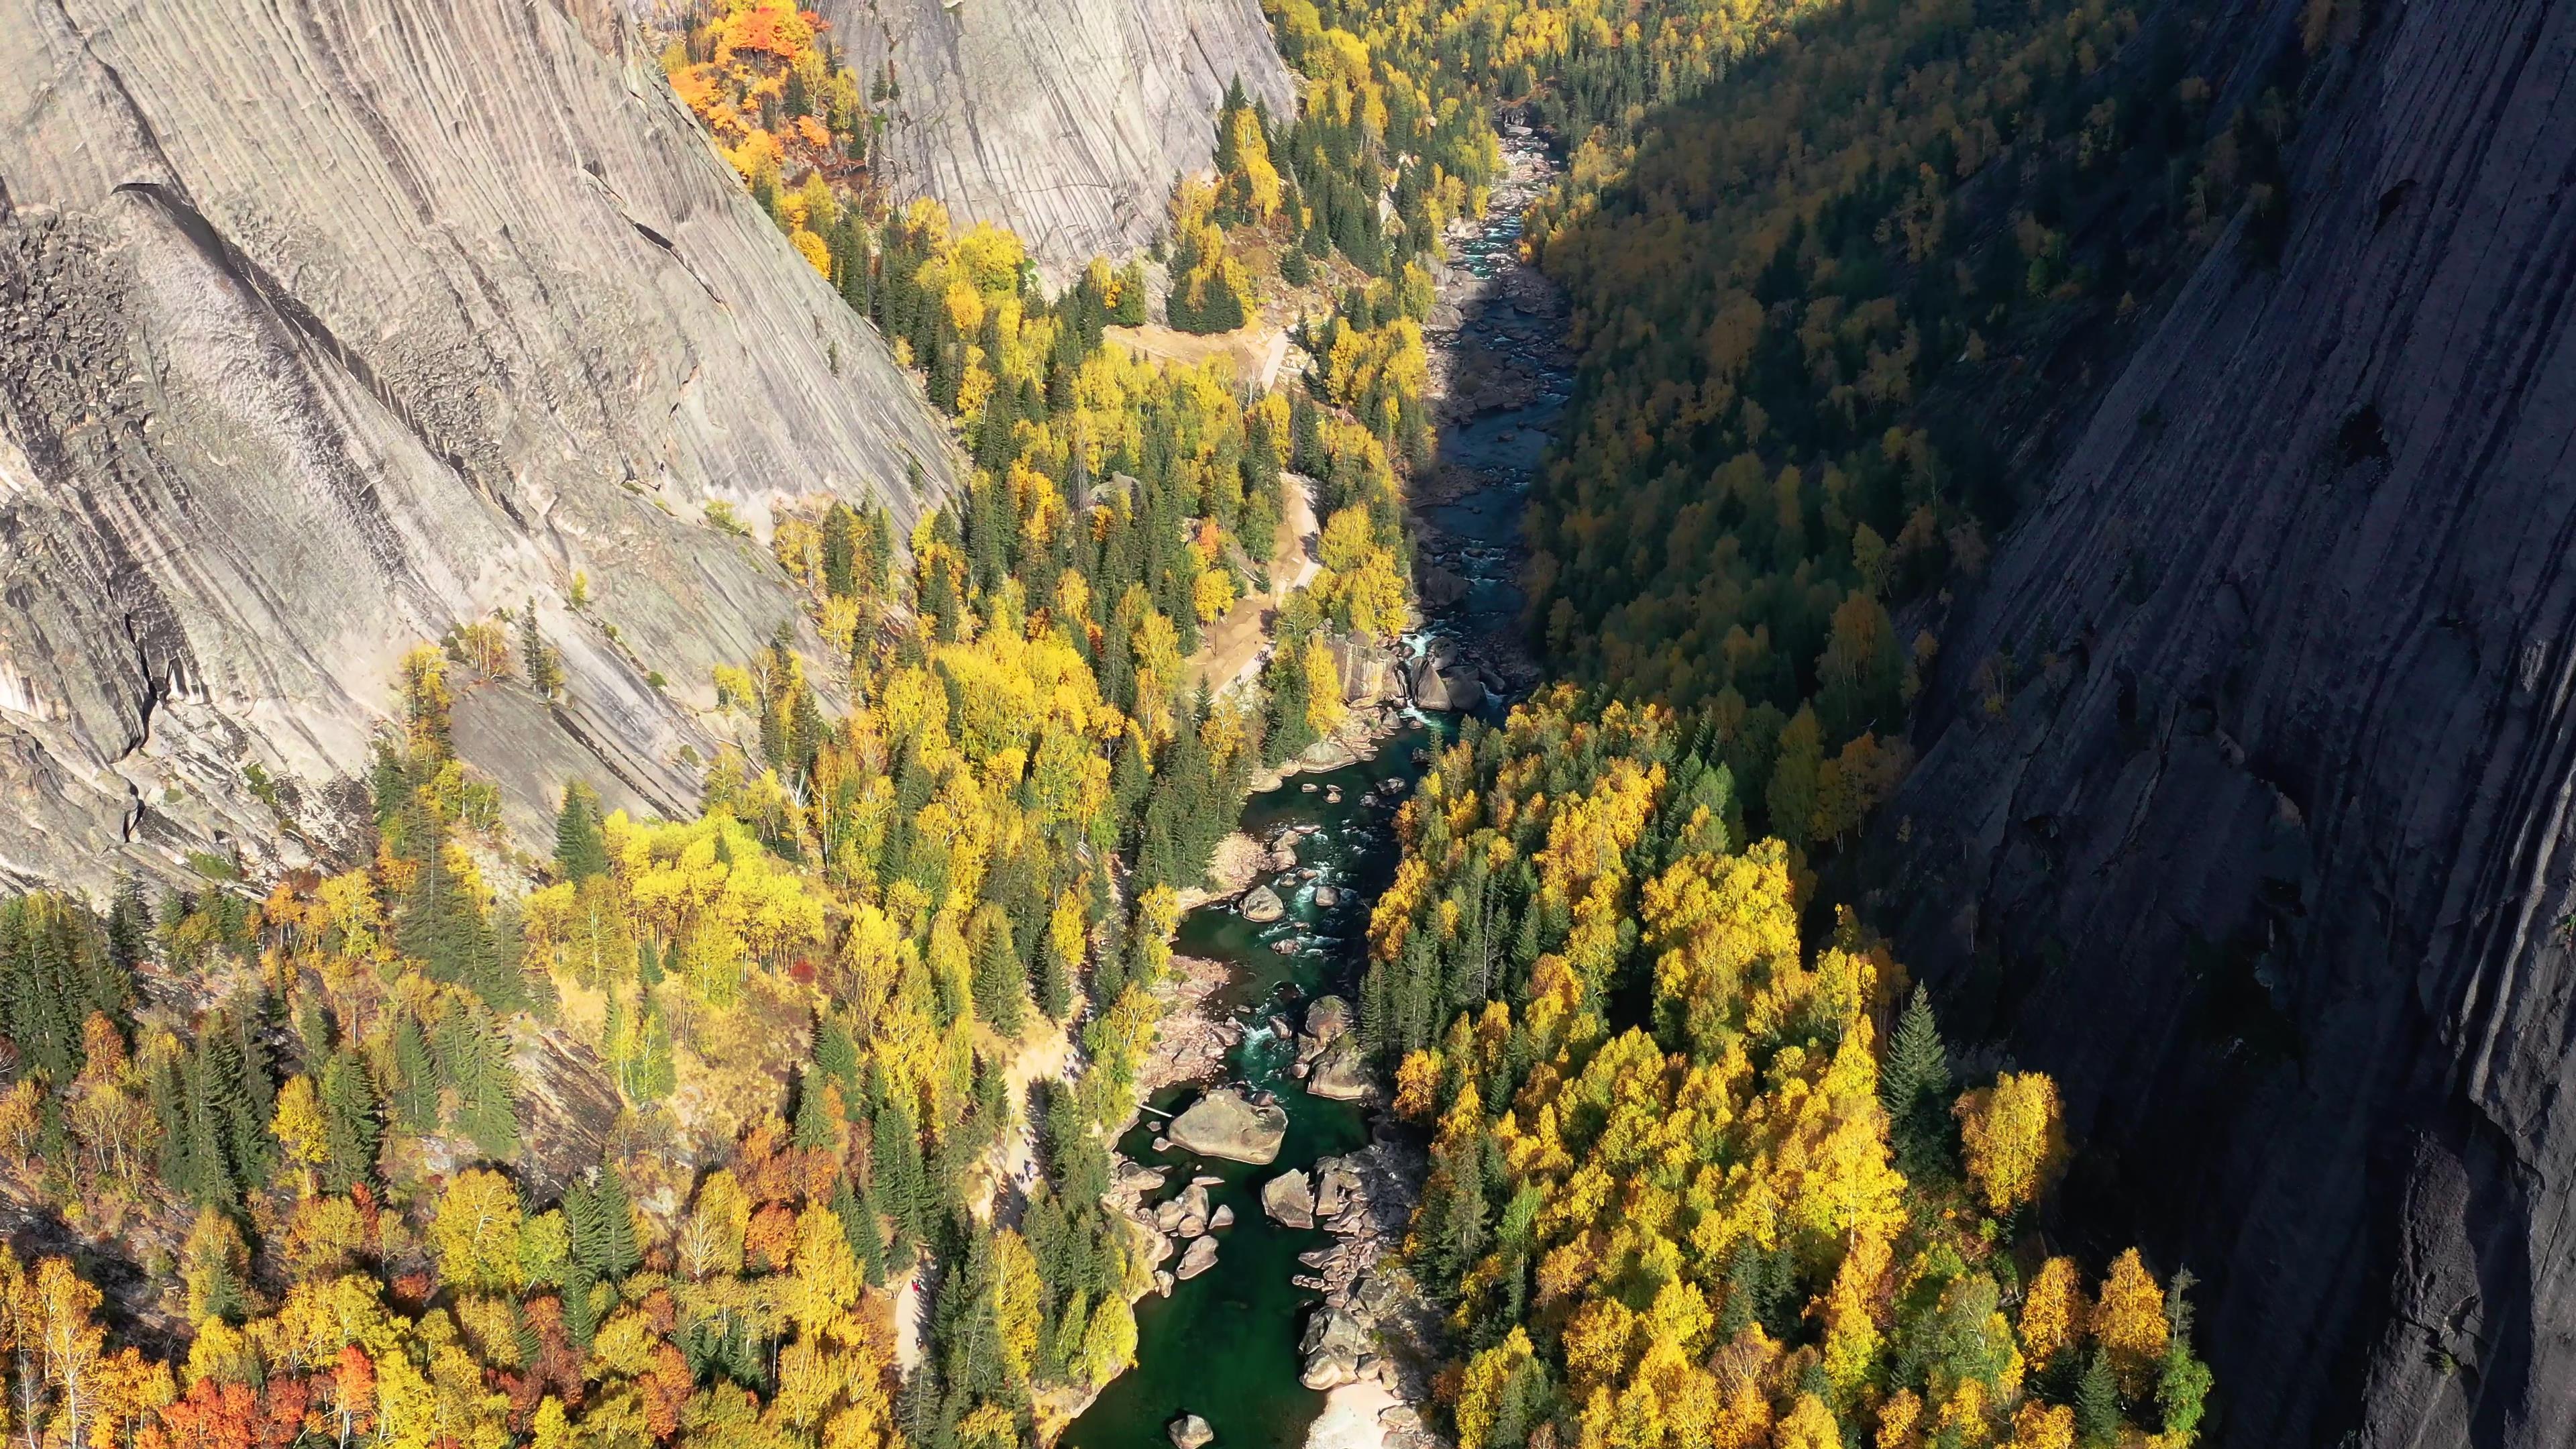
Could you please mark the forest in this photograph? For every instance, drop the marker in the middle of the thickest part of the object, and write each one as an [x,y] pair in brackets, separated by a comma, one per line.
[344,1112]
[1704,1172]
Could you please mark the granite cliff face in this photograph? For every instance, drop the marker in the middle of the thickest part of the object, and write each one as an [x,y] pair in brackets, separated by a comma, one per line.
[327,325]
[1064,120]
[2265,850]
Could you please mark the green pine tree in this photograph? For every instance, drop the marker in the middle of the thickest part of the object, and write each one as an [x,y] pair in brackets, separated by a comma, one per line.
[415,1088]
[859,1224]
[1000,984]
[581,849]
[2097,1404]
[350,1129]
[813,1125]
[900,1189]
[543,665]
[1915,1083]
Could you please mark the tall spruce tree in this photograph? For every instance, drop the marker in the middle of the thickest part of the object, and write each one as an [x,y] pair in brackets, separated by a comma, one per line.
[581,848]
[1914,1084]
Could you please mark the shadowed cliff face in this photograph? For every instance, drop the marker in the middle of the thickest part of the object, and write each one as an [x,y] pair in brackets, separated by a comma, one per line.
[2266,850]
[1064,120]
[327,325]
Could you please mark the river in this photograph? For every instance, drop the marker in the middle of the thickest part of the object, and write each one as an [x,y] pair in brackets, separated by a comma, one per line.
[1225,1345]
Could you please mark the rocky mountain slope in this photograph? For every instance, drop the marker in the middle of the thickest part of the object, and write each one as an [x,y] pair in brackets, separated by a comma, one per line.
[2245,802]
[328,325]
[1064,120]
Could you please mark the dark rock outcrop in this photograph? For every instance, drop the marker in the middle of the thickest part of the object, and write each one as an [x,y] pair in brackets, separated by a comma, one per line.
[324,329]
[2264,846]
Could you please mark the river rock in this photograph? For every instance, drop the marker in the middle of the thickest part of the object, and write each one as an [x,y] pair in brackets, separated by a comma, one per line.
[1333,1345]
[1223,1217]
[1340,1073]
[1167,1216]
[1451,688]
[1197,1258]
[1326,897]
[1162,1143]
[1224,1123]
[1189,1431]
[1327,1017]
[1335,1185]
[1262,906]
[1163,1281]
[1369,671]
[1438,587]
[1290,1199]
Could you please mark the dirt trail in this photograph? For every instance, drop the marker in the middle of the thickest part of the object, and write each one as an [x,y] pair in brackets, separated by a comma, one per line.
[1231,647]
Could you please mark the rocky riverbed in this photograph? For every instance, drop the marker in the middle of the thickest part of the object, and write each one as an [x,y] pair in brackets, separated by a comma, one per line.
[1268,1197]
[1500,377]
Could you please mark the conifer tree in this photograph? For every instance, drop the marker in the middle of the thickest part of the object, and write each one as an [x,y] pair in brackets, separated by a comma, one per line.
[813,1125]
[543,665]
[1914,1081]
[350,1130]
[859,1224]
[900,1189]
[602,1225]
[2097,1404]
[415,1088]
[841,550]
[581,850]
[1055,983]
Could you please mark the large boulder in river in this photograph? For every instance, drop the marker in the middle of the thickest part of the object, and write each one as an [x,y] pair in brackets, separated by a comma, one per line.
[1198,1258]
[1263,906]
[1333,1344]
[1225,1123]
[1340,1072]
[1189,1431]
[1327,1017]
[1370,672]
[1290,1199]
[1450,687]
[1336,1184]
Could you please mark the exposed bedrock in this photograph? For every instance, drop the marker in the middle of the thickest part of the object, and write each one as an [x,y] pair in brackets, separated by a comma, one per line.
[330,324]
[1064,120]
[2263,845]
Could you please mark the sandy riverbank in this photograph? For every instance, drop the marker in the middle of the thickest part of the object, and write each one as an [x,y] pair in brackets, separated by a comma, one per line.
[1351,1417]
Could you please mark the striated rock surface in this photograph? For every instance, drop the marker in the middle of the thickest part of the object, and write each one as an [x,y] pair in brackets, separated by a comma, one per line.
[2268,856]
[327,326]
[1064,120]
